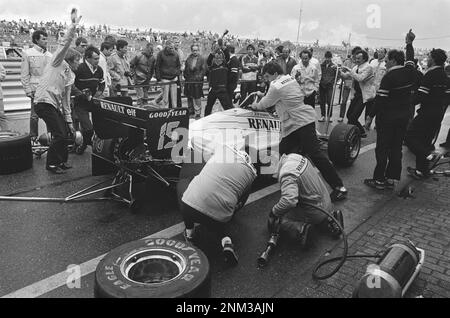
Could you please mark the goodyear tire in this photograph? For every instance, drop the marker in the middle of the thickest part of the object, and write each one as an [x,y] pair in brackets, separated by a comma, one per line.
[153,268]
[344,145]
[15,152]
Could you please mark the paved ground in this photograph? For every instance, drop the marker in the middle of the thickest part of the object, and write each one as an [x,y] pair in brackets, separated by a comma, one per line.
[40,240]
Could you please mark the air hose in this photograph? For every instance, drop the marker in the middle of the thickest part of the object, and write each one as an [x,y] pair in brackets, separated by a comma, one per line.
[342,259]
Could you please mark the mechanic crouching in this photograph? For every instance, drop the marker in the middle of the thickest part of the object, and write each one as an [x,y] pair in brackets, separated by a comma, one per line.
[213,196]
[301,184]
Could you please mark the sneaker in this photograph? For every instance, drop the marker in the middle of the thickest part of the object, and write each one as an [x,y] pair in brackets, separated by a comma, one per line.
[322,119]
[65,166]
[55,169]
[375,184]
[332,227]
[340,119]
[229,254]
[389,184]
[80,149]
[433,159]
[338,194]
[189,237]
[416,174]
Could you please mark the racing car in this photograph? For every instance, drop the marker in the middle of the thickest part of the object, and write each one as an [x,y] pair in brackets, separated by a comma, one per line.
[164,145]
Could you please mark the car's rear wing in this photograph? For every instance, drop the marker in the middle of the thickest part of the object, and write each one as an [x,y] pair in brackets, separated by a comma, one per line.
[161,129]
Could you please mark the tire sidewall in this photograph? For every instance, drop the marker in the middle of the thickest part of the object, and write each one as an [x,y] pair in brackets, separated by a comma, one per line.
[194,281]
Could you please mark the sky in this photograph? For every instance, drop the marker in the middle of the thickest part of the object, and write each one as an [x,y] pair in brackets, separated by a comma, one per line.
[374,23]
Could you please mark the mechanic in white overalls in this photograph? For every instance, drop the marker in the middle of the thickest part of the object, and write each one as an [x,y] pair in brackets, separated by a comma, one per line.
[298,124]
[301,183]
[214,195]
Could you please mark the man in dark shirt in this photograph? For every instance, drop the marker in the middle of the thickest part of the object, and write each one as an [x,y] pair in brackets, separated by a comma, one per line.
[233,75]
[433,95]
[392,111]
[89,82]
[218,80]
[446,144]
[326,86]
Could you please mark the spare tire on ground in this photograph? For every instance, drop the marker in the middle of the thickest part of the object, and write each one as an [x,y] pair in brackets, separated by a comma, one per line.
[153,268]
[344,145]
[15,152]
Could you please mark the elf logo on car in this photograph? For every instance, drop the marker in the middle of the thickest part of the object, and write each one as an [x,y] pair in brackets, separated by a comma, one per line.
[268,124]
[168,114]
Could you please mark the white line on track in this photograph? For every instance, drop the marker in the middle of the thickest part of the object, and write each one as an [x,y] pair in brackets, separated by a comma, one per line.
[56,281]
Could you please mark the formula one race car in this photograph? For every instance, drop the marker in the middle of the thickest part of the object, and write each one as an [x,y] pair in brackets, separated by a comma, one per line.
[163,145]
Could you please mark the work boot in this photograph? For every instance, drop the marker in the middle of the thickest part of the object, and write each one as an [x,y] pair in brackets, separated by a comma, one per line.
[375,184]
[55,169]
[229,254]
[189,235]
[65,166]
[416,174]
[80,149]
[338,194]
[296,231]
[333,228]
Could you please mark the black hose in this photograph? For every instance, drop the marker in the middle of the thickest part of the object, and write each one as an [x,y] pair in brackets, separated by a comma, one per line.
[344,256]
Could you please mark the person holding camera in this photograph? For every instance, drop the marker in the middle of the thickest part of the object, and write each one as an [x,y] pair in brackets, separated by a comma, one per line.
[301,183]
[53,99]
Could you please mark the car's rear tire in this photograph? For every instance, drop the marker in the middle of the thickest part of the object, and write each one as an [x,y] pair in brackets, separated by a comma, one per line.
[344,145]
[153,268]
[15,152]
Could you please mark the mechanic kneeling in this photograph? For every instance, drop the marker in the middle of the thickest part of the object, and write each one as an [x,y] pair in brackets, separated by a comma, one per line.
[301,183]
[213,196]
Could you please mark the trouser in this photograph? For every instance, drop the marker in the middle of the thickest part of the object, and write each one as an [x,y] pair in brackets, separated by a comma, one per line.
[223,97]
[87,129]
[142,94]
[192,216]
[3,119]
[304,141]
[419,138]
[230,90]
[246,89]
[34,121]
[311,100]
[345,95]
[326,94]
[390,136]
[169,89]
[56,125]
[195,106]
[354,112]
